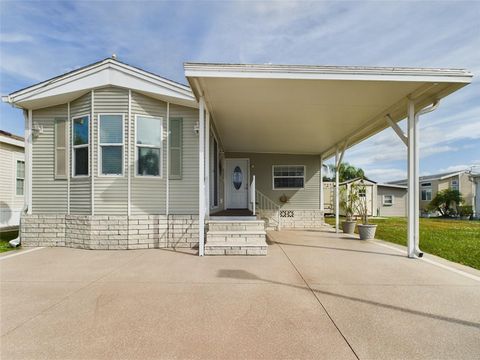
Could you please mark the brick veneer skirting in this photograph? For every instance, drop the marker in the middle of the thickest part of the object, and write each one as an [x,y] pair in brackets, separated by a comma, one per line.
[110,232]
[301,219]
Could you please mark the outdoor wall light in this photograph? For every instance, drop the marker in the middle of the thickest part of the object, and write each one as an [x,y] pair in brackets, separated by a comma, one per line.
[196,128]
[37,130]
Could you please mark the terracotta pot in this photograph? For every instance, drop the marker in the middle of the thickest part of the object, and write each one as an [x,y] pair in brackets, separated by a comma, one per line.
[367,232]
[348,226]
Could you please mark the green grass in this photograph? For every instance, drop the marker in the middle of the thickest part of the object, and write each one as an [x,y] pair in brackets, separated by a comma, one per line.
[5,237]
[454,240]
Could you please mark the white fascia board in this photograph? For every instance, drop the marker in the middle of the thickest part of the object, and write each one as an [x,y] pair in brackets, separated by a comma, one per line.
[393,186]
[327,73]
[10,141]
[450,175]
[104,74]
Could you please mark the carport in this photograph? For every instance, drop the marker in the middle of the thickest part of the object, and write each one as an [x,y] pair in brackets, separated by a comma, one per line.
[315,110]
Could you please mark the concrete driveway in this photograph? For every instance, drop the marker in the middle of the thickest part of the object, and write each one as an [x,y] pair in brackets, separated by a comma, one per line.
[315,296]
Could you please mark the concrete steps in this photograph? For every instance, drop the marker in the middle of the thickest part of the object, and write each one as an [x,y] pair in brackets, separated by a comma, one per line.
[236,237]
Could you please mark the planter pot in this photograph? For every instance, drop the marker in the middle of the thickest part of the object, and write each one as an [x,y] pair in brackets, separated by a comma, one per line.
[367,232]
[348,226]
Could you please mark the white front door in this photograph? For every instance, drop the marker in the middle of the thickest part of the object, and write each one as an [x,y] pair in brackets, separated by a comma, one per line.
[236,183]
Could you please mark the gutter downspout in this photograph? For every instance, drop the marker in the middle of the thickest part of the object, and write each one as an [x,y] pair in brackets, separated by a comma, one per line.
[416,133]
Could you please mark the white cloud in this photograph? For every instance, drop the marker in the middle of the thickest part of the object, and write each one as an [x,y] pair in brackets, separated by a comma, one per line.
[15,38]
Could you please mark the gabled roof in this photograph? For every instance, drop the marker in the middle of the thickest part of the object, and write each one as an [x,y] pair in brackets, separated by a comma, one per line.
[107,72]
[357,179]
[441,176]
[8,138]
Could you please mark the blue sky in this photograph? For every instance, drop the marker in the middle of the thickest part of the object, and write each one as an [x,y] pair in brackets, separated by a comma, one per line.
[39,40]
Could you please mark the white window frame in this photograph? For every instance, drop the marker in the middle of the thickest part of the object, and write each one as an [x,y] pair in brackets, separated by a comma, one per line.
[16,160]
[87,145]
[286,189]
[426,186]
[162,135]
[456,183]
[99,149]
[388,203]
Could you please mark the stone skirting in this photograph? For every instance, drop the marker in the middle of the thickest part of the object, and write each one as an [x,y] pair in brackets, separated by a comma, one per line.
[301,219]
[110,232]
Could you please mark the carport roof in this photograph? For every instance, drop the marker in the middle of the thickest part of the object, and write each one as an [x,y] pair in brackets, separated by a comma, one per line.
[303,109]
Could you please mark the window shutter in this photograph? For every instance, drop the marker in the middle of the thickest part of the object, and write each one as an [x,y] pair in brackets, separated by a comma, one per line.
[175,148]
[61,148]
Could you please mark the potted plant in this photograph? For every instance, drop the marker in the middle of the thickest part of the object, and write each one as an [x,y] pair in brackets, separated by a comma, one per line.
[365,230]
[348,201]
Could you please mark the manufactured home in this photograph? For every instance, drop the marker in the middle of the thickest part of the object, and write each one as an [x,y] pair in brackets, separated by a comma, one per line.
[121,158]
[12,180]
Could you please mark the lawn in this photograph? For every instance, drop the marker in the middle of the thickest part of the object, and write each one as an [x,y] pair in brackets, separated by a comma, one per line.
[454,240]
[5,237]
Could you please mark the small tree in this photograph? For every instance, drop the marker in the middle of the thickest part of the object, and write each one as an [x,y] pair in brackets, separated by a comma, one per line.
[446,202]
[349,199]
[362,203]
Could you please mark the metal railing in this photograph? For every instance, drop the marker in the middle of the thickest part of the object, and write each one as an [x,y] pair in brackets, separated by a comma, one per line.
[267,209]
[253,196]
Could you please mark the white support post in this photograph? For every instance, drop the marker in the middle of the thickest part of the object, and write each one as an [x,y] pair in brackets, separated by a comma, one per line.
[68,146]
[201,178]
[129,155]
[412,184]
[322,199]
[92,156]
[207,164]
[167,165]
[337,184]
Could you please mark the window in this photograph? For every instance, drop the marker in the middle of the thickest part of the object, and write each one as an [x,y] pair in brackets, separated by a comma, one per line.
[362,191]
[387,200]
[81,133]
[175,145]
[149,145]
[20,178]
[61,148]
[288,177]
[426,191]
[454,185]
[111,144]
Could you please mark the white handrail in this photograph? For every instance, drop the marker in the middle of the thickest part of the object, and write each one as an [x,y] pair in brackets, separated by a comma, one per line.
[266,204]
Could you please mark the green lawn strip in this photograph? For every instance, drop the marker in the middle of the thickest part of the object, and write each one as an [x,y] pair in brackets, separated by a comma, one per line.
[454,240]
[5,237]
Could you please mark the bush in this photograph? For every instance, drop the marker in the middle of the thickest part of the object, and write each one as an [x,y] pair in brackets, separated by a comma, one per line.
[446,202]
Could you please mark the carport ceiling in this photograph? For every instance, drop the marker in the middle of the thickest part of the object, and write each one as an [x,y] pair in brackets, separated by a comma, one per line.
[310,109]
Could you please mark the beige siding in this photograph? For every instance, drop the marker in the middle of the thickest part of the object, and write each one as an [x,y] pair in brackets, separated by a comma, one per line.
[261,167]
[80,188]
[399,207]
[49,195]
[184,192]
[148,193]
[467,188]
[110,191]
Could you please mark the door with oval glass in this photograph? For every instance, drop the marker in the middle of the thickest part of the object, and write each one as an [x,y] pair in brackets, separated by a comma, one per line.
[236,183]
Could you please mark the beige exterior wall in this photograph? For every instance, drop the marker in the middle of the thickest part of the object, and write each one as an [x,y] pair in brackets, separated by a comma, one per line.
[11,204]
[399,207]
[148,195]
[261,167]
[467,189]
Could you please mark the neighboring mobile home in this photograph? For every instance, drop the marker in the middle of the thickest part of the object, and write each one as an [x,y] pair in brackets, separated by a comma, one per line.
[430,185]
[120,158]
[12,180]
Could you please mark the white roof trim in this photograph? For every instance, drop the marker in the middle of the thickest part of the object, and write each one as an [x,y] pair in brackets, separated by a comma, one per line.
[8,140]
[393,186]
[301,72]
[103,73]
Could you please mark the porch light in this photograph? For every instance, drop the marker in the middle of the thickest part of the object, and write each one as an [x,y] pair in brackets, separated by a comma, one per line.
[37,129]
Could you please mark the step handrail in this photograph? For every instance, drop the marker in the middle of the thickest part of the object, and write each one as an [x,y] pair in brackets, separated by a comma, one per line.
[263,202]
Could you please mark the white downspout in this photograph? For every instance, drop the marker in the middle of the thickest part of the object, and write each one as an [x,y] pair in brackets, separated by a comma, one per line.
[28,158]
[129,155]
[92,149]
[207,165]
[322,201]
[68,157]
[412,187]
[416,141]
[167,161]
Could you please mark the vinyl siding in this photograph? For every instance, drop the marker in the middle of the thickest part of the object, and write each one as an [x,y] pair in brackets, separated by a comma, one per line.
[466,188]
[49,195]
[399,207]
[184,191]
[148,193]
[261,167]
[80,188]
[110,191]
[10,203]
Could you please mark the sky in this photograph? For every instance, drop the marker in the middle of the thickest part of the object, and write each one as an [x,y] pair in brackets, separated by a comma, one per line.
[42,39]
